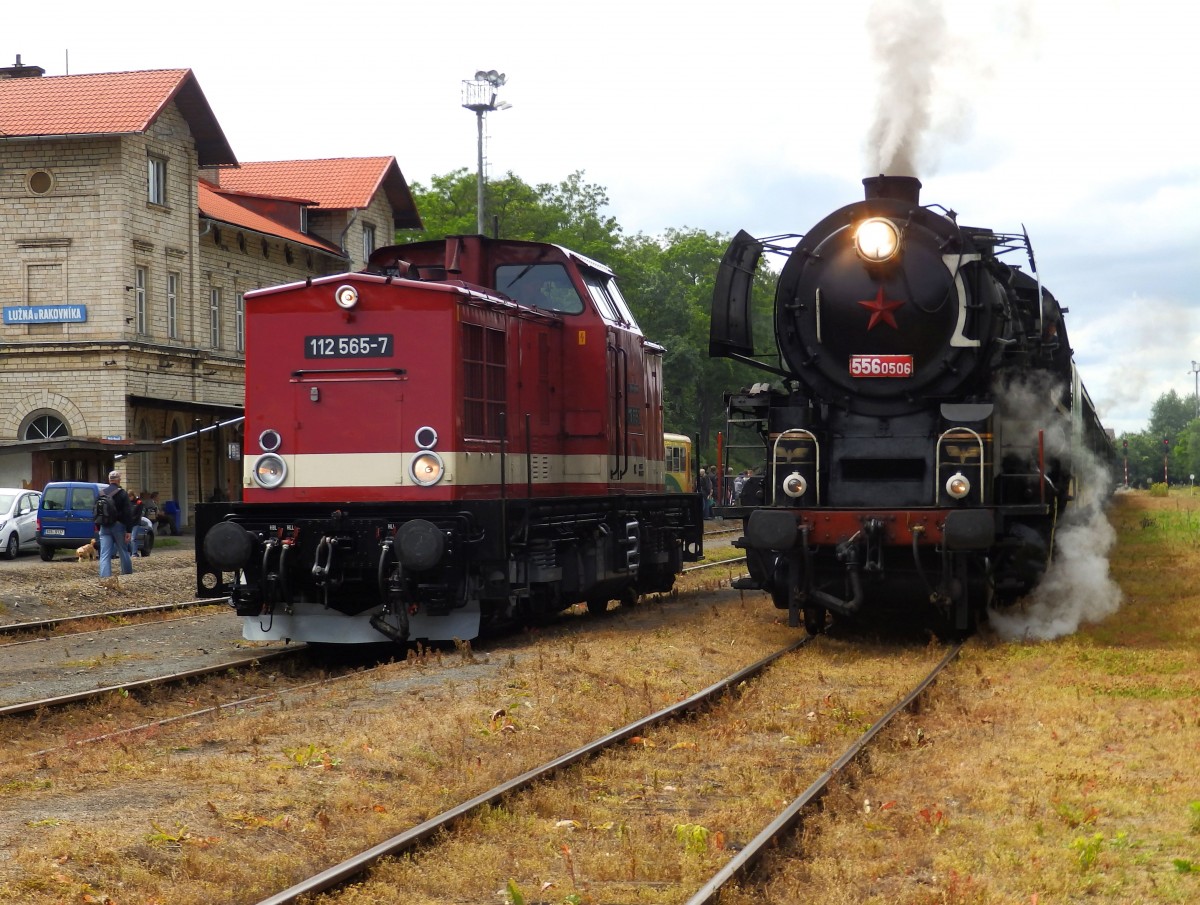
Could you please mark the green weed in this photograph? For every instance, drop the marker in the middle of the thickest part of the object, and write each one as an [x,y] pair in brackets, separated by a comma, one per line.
[693,837]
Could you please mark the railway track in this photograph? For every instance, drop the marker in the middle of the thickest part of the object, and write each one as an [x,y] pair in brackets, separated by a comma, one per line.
[207,652]
[434,830]
[60,623]
[81,666]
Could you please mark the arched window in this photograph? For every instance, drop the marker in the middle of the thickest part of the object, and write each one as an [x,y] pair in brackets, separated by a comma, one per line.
[45,427]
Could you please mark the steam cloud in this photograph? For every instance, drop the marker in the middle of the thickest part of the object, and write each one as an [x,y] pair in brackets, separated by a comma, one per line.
[1076,587]
[906,36]
[936,62]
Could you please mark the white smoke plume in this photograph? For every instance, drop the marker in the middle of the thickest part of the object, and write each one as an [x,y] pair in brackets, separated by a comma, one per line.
[937,62]
[1076,587]
[907,37]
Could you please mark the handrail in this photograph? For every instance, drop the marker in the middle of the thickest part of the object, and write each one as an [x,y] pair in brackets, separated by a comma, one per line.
[937,462]
[775,460]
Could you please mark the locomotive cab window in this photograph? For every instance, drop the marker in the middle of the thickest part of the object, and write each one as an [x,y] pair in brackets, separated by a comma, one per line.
[545,286]
[608,299]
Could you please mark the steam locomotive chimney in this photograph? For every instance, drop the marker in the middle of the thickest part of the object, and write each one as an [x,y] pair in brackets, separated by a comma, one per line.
[900,188]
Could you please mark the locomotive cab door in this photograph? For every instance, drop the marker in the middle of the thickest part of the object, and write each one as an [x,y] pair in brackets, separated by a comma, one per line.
[626,379]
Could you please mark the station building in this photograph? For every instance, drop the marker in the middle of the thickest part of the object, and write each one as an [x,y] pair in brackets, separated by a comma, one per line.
[129,234]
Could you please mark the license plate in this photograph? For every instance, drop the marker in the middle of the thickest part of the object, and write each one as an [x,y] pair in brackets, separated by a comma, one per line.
[55,532]
[881,366]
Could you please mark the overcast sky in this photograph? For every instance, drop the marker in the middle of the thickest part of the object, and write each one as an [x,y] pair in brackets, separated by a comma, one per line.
[1074,119]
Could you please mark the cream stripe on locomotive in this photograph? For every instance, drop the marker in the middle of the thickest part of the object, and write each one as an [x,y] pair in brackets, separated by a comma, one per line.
[461,469]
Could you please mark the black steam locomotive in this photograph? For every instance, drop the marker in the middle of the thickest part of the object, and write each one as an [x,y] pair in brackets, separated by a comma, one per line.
[924,428]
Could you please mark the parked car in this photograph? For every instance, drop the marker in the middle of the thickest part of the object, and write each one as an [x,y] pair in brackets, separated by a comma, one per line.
[18,520]
[64,519]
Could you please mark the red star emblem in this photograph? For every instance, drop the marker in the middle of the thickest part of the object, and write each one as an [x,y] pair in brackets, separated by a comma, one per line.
[881,310]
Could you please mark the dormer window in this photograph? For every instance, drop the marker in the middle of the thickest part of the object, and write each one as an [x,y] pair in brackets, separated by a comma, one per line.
[304,220]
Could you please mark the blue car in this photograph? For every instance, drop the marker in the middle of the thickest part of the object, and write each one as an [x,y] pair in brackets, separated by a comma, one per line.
[64,519]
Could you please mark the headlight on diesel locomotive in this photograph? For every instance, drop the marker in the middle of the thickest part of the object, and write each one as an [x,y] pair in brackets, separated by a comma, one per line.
[425,437]
[958,486]
[876,240]
[427,468]
[269,471]
[794,485]
[346,297]
[269,440]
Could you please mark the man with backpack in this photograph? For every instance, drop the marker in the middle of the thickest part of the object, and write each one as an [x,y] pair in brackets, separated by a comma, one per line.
[114,524]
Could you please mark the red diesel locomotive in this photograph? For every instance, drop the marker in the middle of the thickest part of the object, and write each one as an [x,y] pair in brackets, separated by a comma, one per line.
[468,432]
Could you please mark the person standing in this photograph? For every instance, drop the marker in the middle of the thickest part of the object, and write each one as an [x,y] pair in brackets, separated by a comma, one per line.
[114,529]
[139,509]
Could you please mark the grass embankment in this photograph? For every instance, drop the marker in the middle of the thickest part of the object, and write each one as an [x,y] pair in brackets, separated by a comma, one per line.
[1044,772]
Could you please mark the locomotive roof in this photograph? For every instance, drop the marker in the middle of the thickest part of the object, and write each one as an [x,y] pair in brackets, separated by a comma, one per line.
[320,281]
[583,259]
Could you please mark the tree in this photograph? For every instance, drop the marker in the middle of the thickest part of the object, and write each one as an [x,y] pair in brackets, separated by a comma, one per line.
[569,213]
[1170,414]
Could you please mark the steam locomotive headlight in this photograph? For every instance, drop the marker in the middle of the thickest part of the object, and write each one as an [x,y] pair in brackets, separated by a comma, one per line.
[958,486]
[270,471]
[877,240]
[427,468]
[794,485]
[346,297]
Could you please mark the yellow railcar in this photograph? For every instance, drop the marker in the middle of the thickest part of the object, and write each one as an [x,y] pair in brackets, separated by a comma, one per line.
[679,468]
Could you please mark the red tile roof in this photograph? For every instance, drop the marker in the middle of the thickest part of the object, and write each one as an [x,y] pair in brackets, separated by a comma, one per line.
[110,103]
[224,207]
[341,183]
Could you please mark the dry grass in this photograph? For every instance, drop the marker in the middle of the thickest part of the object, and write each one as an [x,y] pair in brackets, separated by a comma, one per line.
[1051,772]
[1062,771]
[651,821]
[233,807]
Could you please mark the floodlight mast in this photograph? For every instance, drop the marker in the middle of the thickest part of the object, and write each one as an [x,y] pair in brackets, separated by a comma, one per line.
[1196,370]
[479,96]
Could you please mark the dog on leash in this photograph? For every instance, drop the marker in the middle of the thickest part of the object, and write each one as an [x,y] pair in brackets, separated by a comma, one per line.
[87,551]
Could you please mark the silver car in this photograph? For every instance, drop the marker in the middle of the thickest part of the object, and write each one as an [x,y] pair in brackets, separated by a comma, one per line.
[18,520]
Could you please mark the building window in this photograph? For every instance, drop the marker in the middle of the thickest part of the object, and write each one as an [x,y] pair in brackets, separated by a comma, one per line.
[173,305]
[45,427]
[368,241]
[239,321]
[304,219]
[156,180]
[141,278]
[40,182]
[214,318]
